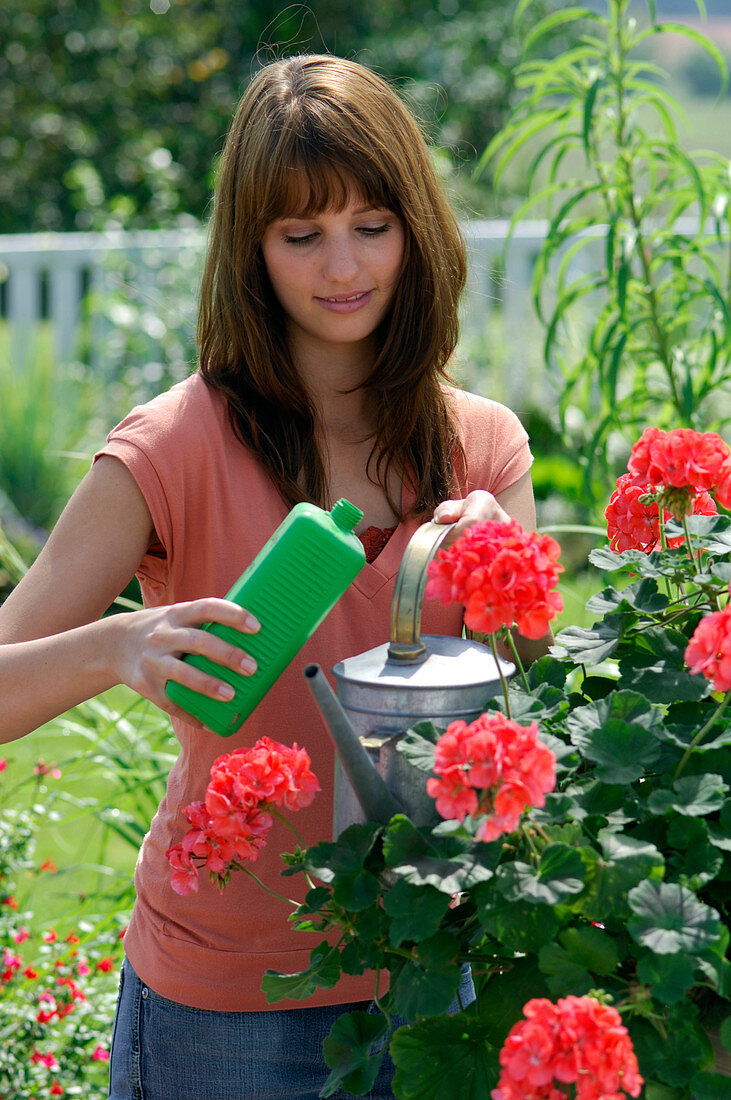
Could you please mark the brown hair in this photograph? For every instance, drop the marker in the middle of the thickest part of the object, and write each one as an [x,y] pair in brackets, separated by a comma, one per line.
[331,122]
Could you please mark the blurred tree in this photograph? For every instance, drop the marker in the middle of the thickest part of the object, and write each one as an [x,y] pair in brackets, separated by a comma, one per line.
[115,109]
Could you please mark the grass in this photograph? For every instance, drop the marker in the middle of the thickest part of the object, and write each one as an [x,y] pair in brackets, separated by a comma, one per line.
[113,754]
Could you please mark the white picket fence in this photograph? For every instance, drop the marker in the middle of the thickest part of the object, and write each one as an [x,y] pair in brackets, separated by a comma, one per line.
[47,276]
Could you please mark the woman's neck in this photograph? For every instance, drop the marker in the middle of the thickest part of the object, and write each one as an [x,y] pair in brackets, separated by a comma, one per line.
[333,377]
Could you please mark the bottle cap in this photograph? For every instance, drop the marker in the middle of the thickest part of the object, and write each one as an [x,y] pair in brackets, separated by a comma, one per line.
[345,514]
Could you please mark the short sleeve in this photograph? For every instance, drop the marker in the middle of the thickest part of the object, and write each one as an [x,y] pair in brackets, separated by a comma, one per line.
[495,443]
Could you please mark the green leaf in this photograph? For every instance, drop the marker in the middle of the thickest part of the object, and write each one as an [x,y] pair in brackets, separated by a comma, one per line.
[587,647]
[418,751]
[628,862]
[643,596]
[427,986]
[669,976]
[402,841]
[702,41]
[619,847]
[589,112]
[560,875]
[718,972]
[362,950]
[604,558]
[453,1049]
[314,900]
[672,1057]
[618,733]
[547,670]
[556,19]
[563,974]
[693,795]
[710,1086]
[347,1052]
[342,864]
[517,927]
[322,973]
[724,1033]
[661,680]
[668,918]
[415,912]
[591,948]
[448,874]
[720,834]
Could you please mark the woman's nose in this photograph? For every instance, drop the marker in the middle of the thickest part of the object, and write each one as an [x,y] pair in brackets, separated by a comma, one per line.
[340,262]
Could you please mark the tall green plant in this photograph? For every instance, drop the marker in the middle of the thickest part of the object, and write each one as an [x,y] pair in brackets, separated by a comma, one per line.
[43,415]
[632,282]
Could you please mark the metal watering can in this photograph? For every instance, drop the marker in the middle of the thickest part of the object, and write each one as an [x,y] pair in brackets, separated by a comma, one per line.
[383,692]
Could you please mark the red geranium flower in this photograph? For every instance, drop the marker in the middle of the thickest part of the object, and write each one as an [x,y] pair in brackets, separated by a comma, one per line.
[492,767]
[633,522]
[503,575]
[681,463]
[709,650]
[231,825]
[576,1042]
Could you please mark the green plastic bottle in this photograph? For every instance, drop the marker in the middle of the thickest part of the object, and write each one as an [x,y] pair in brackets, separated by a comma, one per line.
[290,586]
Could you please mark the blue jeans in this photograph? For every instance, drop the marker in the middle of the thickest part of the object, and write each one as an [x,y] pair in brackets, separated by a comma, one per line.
[165,1051]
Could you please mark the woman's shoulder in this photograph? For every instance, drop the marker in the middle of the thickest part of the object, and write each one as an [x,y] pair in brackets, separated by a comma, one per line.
[494,441]
[190,409]
[476,414]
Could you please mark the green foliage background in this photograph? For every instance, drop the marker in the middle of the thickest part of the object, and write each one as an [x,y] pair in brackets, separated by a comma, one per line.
[118,108]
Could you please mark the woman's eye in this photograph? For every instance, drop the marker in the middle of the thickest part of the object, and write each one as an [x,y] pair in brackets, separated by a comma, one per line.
[290,239]
[374,230]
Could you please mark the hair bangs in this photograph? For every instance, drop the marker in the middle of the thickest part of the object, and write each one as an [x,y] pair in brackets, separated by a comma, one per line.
[308,178]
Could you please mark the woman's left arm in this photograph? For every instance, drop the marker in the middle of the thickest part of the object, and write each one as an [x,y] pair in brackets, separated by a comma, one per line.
[515,502]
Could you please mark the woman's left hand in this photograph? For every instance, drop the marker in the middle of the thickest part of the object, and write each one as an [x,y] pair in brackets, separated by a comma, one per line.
[477,507]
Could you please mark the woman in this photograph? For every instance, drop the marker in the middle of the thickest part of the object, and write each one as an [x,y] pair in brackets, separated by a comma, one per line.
[328,316]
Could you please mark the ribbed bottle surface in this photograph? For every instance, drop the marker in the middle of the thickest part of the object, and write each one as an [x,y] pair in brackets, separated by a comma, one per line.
[291,585]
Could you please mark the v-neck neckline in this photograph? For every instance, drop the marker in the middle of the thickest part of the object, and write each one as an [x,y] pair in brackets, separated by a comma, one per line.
[374,575]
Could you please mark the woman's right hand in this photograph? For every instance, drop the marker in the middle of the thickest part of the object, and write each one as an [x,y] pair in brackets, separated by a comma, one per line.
[56,650]
[149,645]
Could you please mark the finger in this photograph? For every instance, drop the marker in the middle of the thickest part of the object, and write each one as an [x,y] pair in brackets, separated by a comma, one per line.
[190,677]
[204,643]
[448,511]
[213,610]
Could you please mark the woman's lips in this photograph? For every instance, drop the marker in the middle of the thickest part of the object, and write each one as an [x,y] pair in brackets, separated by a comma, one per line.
[346,303]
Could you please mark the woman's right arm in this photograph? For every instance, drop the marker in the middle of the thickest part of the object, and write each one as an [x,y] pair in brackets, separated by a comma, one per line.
[55,651]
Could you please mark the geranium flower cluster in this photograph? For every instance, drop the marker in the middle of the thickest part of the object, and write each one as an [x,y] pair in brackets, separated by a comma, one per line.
[55,984]
[633,520]
[709,649]
[492,767]
[58,992]
[232,824]
[503,575]
[576,1042]
[674,471]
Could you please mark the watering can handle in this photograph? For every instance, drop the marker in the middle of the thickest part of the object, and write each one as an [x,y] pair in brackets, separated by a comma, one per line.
[406,644]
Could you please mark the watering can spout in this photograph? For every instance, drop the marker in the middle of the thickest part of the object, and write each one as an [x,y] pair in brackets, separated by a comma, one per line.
[378,803]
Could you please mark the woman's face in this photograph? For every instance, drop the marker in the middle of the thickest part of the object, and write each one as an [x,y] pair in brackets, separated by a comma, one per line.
[335,272]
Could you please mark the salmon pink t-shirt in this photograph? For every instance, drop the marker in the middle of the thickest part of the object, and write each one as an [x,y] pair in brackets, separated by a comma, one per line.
[213,508]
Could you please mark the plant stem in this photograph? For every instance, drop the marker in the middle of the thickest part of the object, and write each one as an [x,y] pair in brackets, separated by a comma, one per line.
[281,897]
[688,543]
[377,1002]
[283,819]
[503,681]
[641,248]
[518,662]
[702,732]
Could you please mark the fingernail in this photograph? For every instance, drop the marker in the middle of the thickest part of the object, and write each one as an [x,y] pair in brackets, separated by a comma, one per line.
[248,666]
[252,623]
[226,691]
